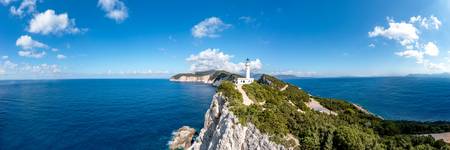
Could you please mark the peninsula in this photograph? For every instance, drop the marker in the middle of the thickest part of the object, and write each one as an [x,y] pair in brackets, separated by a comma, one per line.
[283,116]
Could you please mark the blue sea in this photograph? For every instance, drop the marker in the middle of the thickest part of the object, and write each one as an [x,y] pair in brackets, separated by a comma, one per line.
[98,114]
[400,98]
[142,113]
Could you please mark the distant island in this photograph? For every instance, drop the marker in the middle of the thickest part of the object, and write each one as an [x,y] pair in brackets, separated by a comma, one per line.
[280,115]
[436,75]
[214,77]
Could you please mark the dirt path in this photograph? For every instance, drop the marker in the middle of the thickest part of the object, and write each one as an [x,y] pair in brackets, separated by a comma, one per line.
[438,136]
[315,105]
[247,101]
[284,88]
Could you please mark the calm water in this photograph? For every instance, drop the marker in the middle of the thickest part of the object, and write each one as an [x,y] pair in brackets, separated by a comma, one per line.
[406,98]
[98,114]
[141,114]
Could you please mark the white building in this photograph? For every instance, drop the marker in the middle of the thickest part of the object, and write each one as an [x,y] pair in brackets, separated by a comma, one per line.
[247,79]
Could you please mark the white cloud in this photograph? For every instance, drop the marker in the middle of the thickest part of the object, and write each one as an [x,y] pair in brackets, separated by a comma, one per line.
[425,22]
[27,43]
[412,54]
[6,2]
[9,65]
[5,57]
[26,6]
[115,9]
[139,72]
[371,45]
[296,73]
[41,68]
[431,49]
[247,19]
[405,33]
[54,49]
[210,27]
[214,59]
[60,56]
[435,67]
[11,68]
[50,22]
[31,53]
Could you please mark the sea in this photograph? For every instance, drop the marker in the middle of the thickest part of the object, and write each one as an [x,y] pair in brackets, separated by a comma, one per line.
[143,113]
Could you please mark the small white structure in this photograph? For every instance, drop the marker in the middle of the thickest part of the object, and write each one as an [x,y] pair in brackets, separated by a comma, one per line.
[247,79]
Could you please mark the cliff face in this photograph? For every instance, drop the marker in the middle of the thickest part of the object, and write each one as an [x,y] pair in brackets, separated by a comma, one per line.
[193,78]
[223,131]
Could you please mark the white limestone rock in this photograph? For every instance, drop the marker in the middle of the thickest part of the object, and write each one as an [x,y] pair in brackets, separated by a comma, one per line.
[222,131]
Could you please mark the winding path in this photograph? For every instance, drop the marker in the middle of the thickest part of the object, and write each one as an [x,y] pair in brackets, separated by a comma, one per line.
[247,101]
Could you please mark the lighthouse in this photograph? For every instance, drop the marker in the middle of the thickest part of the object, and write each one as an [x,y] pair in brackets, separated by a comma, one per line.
[247,69]
[247,79]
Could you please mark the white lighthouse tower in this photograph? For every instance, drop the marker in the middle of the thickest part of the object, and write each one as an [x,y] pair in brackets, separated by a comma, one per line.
[247,69]
[247,79]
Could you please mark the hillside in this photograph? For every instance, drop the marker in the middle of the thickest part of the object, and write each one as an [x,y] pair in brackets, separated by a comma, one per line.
[282,116]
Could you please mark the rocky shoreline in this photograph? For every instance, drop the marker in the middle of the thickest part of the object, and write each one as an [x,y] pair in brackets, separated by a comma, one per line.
[182,138]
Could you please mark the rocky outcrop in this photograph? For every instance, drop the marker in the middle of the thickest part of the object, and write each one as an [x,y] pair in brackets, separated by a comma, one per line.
[222,131]
[182,139]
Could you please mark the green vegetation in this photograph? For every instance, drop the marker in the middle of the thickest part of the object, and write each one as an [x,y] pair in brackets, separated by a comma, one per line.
[201,73]
[262,93]
[350,129]
[271,81]
[228,90]
[223,75]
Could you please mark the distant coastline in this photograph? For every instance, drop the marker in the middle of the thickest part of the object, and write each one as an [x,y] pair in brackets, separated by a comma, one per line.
[436,75]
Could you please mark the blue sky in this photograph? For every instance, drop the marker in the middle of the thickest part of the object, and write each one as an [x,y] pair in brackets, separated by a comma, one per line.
[130,38]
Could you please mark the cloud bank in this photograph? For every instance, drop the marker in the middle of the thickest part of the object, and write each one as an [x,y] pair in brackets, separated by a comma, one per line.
[11,68]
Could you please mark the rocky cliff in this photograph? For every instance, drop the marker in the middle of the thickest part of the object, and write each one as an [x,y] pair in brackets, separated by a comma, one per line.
[214,77]
[222,131]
